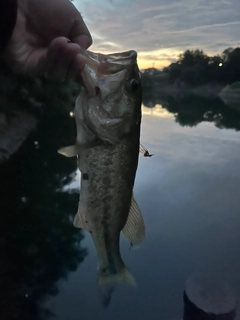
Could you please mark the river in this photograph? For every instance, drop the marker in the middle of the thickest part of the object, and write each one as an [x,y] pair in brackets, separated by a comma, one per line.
[188,193]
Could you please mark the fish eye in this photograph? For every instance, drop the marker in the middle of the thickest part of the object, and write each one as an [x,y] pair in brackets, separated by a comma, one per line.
[131,85]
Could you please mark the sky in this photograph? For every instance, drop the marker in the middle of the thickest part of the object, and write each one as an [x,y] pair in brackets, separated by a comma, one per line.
[161,29]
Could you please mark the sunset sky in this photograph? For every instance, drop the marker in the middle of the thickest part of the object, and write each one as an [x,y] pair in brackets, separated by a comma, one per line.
[161,29]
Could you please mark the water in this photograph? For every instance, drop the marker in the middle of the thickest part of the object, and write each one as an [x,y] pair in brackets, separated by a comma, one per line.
[189,196]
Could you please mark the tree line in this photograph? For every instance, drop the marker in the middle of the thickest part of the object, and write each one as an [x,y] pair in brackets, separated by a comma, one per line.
[195,68]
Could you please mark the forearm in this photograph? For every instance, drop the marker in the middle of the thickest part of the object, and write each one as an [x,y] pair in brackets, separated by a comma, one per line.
[8,15]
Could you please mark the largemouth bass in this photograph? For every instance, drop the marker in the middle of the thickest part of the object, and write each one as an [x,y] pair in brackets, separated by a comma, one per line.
[108,118]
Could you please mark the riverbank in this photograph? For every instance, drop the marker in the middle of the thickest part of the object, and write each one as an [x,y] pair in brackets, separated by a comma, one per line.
[210,91]
[16,126]
[231,92]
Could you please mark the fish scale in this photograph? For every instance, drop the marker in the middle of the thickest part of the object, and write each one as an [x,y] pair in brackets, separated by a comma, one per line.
[109,185]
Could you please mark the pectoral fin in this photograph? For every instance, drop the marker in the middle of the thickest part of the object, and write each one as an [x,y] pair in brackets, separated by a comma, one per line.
[75,150]
[144,151]
[134,229]
[112,122]
[70,151]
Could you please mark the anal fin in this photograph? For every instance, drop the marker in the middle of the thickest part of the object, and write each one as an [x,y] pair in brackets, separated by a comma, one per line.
[80,219]
[134,229]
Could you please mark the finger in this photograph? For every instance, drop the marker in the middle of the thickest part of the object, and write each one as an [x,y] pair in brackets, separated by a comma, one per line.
[55,51]
[80,34]
[61,58]
[84,41]
[35,62]
[40,61]
[76,67]
[63,61]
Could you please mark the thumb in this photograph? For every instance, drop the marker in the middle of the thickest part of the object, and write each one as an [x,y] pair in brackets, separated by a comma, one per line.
[80,34]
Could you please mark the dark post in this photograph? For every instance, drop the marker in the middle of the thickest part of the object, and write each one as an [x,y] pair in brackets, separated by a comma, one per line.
[208,299]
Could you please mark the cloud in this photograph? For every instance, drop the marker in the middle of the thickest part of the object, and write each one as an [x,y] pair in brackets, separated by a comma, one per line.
[234,23]
[162,26]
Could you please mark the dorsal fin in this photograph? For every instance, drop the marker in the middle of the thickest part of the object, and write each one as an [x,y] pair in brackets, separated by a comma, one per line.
[134,229]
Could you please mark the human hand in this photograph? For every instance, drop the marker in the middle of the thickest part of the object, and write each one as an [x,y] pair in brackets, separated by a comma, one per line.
[39,44]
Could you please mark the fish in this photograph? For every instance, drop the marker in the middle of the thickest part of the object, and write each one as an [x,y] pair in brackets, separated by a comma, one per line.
[108,120]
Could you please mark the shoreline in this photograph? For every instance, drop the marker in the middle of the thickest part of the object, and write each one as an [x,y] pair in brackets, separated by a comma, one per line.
[17,127]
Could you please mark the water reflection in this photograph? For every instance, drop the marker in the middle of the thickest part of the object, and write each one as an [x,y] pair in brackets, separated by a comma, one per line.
[188,192]
[192,110]
[157,111]
[39,245]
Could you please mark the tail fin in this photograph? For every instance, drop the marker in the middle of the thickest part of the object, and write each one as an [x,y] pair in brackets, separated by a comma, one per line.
[108,282]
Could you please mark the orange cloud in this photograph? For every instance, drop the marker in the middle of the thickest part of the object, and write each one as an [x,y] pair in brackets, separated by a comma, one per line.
[158,64]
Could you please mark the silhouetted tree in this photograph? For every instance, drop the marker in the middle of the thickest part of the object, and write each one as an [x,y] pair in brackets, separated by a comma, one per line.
[232,66]
[174,72]
[195,68]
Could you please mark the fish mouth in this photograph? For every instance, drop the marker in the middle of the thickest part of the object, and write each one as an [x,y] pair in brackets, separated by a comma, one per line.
[98,64]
